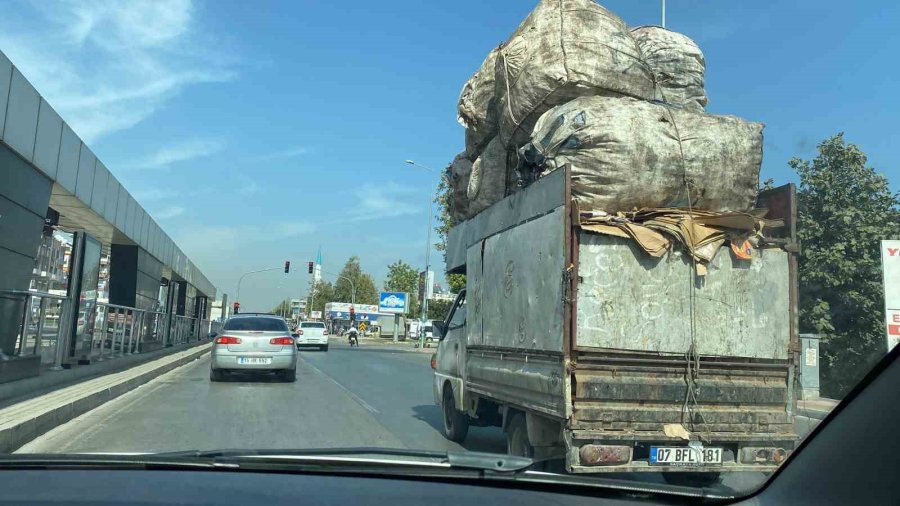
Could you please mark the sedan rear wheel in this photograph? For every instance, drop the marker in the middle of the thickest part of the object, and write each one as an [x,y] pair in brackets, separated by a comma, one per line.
[289,375]
[216,375]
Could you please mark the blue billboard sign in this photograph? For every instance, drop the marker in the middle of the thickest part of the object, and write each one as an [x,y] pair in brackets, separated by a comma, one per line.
[393,302]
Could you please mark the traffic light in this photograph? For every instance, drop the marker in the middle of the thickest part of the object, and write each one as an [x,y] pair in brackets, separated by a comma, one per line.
[237,307]
[352,314]
[287,266]
[310,267]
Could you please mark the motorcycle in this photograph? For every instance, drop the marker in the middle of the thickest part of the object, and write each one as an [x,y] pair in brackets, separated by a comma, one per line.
[353,339]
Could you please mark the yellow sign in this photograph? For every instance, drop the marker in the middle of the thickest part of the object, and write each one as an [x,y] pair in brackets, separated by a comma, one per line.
[362,326]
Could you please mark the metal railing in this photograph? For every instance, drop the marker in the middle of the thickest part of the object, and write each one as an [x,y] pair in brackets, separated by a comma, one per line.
[40,325]
[113,330]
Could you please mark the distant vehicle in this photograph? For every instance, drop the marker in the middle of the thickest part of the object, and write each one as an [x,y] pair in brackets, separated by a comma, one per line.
[312,334]
[429,330]
[254,343]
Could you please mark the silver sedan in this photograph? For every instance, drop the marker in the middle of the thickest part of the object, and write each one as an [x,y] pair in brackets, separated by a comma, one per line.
[254,342]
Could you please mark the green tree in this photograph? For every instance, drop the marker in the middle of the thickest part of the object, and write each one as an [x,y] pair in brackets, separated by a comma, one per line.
[457,282]
[438,309]
[402,277]
[366,293]
[321,295]
[845,208]
[445,222]
[283,307]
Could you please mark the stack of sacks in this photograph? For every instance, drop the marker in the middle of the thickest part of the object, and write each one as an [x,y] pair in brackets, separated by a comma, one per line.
[521,113]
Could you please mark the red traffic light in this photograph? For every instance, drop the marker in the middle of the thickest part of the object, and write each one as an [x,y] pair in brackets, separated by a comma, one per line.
[237,307]
[310,267]
[287,266]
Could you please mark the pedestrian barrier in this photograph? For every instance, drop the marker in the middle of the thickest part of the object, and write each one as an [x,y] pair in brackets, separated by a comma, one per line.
[47,329]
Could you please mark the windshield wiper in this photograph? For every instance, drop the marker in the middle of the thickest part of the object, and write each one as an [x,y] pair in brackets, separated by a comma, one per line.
[367,455]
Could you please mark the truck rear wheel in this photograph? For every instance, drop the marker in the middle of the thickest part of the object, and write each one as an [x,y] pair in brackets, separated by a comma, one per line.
[517,442]
[456,423]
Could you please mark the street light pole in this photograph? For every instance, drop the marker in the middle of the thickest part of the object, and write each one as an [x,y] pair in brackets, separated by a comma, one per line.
[237,297]
[427,257]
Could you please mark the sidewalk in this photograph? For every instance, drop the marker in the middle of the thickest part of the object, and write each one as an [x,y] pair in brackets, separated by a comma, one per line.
[48,380]
[24,421]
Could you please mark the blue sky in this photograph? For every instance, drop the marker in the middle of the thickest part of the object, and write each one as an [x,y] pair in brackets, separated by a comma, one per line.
[255,132]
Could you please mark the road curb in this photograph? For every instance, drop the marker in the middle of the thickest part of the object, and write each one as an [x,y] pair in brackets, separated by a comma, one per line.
[30,425]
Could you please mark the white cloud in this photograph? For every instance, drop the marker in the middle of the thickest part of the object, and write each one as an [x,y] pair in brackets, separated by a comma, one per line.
[200,241]
[284,153]
[148,194]
[184,151]
[249,187]
[107,65]
[389,200]
[168,212]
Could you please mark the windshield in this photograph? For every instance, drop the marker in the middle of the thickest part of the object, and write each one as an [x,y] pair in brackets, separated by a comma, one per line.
[658,249]
[258,324]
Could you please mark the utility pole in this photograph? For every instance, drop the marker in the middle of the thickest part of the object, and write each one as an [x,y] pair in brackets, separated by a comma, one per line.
[663,13]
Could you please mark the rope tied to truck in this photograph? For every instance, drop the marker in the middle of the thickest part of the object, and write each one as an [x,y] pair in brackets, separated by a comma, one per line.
[690,409]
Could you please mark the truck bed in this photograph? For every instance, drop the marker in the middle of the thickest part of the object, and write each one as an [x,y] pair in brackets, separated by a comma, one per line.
[589,330]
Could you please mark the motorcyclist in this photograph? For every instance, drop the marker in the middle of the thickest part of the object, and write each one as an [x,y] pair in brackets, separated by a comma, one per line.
[352,336]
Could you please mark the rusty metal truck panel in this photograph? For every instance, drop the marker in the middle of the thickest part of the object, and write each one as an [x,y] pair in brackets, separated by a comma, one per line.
[540,198]
[534,382]
[474,293]
[521,271]
[628,300]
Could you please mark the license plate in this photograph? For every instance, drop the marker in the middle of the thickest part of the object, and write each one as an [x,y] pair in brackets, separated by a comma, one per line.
[254,360]
[684,456]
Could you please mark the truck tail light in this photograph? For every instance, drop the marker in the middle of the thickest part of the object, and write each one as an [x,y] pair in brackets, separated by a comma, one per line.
[228,340]
[434,361]
[763,455]
[300,332]
[324,332]
[282,340]
[604,455]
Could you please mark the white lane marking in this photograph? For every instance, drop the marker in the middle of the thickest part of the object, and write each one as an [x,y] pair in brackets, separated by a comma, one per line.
[355,397]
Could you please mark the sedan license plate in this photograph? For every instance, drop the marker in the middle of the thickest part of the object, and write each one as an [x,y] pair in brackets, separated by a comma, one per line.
[254,360]
[684,456]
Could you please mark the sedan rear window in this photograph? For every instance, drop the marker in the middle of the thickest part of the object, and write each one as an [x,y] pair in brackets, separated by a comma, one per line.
[312,325]
[259,324]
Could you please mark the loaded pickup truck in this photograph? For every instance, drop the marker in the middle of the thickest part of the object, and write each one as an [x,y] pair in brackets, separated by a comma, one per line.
[586,349]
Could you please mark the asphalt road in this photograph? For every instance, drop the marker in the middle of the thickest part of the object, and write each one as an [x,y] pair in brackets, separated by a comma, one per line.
[375,395]
[369,396]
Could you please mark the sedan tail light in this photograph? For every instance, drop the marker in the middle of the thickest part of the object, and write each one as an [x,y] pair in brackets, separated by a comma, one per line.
[282,340]
[228,340]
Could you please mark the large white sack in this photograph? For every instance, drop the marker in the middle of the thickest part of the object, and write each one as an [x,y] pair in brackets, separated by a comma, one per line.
[476,108]
[678,66]
[488,181]
[628,154]
[564,49]
[458,203]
